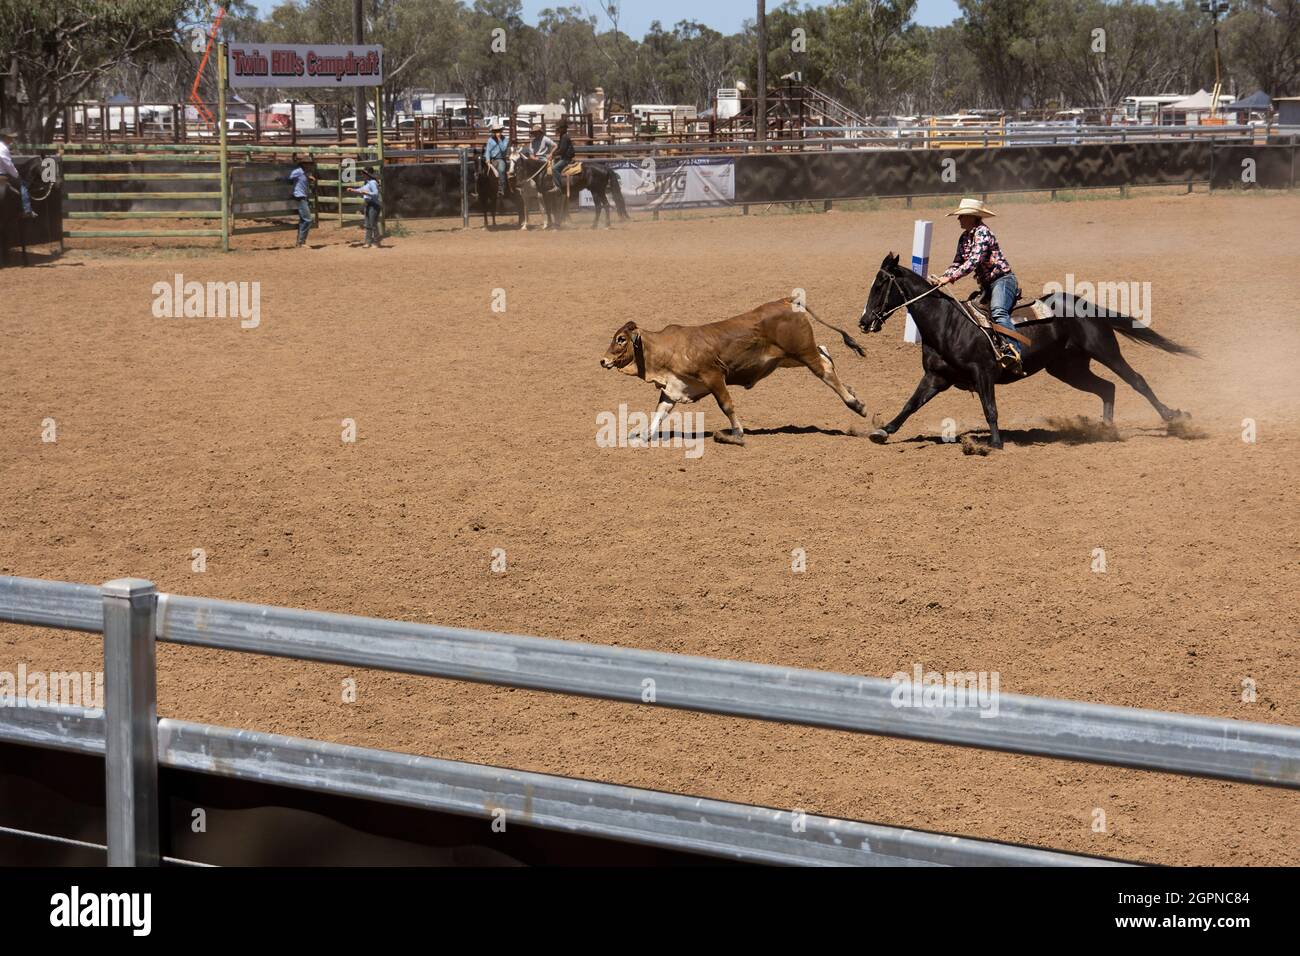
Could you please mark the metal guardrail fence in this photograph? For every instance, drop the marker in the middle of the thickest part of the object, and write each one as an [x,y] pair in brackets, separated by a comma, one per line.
[132,615]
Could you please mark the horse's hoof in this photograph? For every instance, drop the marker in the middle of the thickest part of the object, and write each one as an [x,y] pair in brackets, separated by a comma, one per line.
[729,438]
[879,436]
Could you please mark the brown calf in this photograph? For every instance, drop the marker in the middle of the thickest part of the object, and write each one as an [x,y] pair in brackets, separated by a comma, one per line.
[688,362]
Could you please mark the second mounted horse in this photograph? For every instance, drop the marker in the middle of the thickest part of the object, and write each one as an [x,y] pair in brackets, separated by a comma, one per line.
[602,182]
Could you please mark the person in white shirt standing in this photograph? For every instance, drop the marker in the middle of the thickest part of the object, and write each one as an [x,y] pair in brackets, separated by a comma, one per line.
[10,172]
[369,190]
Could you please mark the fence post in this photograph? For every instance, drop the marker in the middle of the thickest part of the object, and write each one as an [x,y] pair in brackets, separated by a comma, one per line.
[225,147]
[130,722]
[654,159]
[464,189]
[379,172]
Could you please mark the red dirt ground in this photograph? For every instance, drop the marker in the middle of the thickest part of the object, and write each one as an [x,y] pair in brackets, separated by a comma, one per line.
[477,431]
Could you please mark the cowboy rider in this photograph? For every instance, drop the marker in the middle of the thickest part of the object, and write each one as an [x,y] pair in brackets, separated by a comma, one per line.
[498,151]
[564,152]
[978,251]
[9,171]
[540,146]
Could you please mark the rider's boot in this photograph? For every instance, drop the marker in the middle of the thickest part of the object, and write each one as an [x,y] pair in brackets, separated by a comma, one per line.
[1009,359]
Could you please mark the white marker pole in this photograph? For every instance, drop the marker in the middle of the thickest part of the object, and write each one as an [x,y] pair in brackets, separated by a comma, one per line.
[921,236]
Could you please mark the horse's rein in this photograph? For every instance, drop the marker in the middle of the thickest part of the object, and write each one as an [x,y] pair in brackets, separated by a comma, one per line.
[895,283]
[540,169]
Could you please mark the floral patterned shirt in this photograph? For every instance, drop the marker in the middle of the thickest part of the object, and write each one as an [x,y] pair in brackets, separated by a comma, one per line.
[978,251]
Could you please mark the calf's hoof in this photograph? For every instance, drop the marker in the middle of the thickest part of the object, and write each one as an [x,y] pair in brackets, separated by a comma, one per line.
[879,436]
[729,437]
[857,406]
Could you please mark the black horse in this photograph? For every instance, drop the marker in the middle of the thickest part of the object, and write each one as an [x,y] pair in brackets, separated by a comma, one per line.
[956,352]
[533,178]
[487,184]
[602,182]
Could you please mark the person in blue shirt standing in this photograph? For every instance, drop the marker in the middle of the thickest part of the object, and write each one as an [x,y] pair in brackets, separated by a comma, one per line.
[303,181]
[369,189]
[498,153]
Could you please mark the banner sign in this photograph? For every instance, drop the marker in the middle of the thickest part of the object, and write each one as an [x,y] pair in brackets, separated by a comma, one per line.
[673,183]
[305,64]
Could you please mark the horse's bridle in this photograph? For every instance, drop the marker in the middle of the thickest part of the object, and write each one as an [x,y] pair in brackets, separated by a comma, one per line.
[879,318]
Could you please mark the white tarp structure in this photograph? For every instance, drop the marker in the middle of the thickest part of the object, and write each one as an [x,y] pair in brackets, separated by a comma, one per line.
[674,183]
[1198,102]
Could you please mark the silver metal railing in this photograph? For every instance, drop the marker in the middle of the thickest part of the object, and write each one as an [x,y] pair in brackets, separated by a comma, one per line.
[132,615]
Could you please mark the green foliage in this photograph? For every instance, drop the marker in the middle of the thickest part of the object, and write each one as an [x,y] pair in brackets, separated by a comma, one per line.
[868,54]
[54,52]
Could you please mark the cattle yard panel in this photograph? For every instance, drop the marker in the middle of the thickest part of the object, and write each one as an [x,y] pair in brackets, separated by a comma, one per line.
[117,177]
[246,185]
[132,616]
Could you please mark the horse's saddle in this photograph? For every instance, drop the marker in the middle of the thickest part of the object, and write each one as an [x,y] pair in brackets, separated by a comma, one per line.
[1024,310]
[573,169]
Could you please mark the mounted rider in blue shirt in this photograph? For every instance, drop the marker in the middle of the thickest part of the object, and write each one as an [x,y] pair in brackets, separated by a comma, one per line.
[498,154]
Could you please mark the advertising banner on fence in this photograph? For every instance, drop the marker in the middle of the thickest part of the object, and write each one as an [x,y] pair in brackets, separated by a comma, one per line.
[674,183]
[305,64]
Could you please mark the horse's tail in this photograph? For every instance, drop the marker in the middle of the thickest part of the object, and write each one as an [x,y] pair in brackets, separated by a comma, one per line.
[848,339]
[615,189]
[1065,304]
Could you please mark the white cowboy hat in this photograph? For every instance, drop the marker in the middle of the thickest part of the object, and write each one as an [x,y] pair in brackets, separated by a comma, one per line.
[973,207]
[498,128]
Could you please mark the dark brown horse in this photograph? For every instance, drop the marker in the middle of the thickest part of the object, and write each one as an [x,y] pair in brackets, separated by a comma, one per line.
[487,187]
[602,182]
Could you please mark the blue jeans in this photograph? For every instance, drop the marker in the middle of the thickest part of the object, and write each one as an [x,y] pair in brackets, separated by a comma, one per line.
[304,218]
[500,164]
[372,223]
[1002,296]
[26,198]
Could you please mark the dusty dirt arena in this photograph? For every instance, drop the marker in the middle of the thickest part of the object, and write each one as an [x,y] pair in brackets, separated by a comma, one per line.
[476,430]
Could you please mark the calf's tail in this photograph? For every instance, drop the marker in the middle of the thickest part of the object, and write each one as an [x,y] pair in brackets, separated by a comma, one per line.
[848,339]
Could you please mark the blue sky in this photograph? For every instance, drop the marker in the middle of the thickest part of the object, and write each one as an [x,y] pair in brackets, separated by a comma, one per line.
[725,16]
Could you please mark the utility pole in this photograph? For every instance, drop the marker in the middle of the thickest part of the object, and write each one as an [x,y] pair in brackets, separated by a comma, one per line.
[760,105]
[359,99]
[1215,8]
